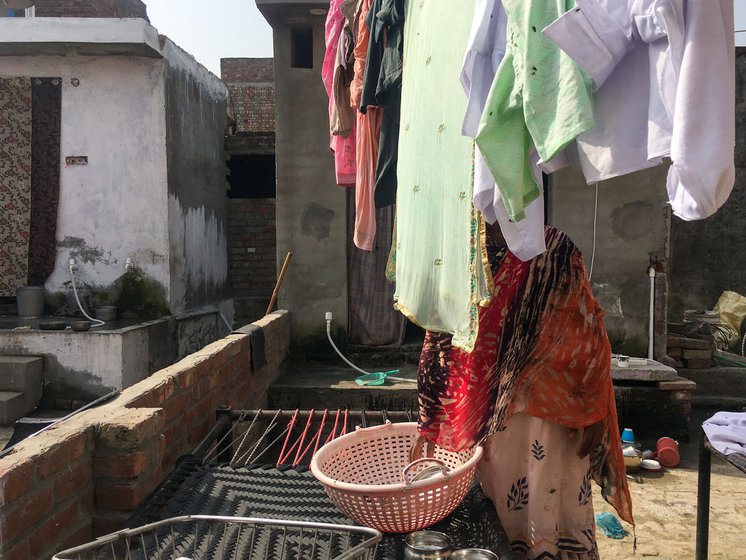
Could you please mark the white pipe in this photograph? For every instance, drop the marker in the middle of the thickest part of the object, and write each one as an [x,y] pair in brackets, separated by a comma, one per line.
[329,336]
[651,335]
[96,322]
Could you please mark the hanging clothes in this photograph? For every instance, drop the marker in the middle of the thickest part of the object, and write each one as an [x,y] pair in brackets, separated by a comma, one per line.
[368,137]
[665,70]
[540,97]
[371,318]
[485,51]
[46,125]
[342,147]
[440,274]
[343,115]
[16,147]
[542,350]
[382,87]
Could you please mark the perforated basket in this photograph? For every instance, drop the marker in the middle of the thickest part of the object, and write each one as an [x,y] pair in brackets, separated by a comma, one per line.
[369,476]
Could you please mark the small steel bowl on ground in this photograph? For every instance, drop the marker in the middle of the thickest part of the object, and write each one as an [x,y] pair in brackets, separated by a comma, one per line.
[473,554]
[80,326]
[427,545]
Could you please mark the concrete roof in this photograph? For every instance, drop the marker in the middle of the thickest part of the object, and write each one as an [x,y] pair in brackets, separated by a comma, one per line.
[292,11]
[84,36]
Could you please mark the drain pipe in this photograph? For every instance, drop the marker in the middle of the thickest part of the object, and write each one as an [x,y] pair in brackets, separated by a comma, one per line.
[651,334]
[96,322]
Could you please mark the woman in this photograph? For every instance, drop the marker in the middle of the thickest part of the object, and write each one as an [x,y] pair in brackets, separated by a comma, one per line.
[537,393]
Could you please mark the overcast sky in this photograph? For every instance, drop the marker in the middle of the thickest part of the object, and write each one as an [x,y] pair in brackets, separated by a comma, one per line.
[215,29]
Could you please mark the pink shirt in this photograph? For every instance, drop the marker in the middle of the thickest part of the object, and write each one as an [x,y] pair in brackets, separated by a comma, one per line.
[342,148]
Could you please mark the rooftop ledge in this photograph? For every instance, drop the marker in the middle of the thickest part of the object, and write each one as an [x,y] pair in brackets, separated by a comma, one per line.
[78,36]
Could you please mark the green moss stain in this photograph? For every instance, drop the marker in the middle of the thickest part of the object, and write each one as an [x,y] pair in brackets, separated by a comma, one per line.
[139,296]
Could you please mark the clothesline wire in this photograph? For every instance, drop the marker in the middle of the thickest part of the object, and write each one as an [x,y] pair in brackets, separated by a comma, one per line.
[595,224]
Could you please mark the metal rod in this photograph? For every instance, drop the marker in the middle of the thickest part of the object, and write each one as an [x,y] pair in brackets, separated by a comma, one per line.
[91,404]
[354,415]
[703,499]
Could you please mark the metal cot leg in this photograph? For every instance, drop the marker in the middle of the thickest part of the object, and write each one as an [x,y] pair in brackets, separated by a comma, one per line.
[703,499]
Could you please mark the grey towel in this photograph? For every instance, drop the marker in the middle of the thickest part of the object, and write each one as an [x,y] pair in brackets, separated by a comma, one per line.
[256,337]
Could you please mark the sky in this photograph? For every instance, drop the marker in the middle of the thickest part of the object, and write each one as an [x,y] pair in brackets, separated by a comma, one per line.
[214,29]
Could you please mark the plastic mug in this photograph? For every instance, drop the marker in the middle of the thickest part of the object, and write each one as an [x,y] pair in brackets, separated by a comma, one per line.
[628,436]
[668,452]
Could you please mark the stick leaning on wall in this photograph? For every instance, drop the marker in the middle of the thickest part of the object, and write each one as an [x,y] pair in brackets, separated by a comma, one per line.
[280,278]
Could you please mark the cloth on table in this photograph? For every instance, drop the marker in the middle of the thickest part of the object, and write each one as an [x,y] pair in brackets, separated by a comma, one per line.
[343,147]
[727,432]
[678,58]
[542,350]
[485,51]
[541,489]
[382,87]
[440,274]
[540,97]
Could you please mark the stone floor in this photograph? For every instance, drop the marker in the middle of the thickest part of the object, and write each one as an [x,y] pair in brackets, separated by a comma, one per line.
[665,509]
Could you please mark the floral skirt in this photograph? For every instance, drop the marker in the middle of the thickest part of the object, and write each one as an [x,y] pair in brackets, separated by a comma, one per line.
[541,489]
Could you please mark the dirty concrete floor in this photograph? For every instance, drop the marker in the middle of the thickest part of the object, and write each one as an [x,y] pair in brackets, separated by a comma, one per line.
[665,509]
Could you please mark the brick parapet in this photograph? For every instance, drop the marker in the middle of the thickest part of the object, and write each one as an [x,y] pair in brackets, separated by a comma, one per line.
[84,477]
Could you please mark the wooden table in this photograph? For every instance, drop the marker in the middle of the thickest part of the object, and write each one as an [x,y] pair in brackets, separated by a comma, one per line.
[706,451]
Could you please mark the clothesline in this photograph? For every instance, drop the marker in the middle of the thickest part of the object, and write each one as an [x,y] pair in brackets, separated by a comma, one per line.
[605,86]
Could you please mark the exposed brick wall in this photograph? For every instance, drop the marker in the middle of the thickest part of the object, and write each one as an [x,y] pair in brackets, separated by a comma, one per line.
[92,8]
[252,248]
[252,89]
[47,494]
[84,477]
[248,70]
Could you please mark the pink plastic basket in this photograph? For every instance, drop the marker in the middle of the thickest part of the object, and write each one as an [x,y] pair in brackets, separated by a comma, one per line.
[367,474]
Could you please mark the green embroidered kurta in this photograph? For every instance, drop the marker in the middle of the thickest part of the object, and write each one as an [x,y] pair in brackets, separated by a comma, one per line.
[440,273]
[540,97]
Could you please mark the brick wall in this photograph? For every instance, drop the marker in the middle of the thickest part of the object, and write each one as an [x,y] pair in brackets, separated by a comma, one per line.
[91,8]
[248,70]
[84,477]
[252,247]
[252,89]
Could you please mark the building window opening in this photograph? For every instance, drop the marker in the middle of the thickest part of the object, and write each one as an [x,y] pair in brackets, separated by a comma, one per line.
[301,47]
[252,176]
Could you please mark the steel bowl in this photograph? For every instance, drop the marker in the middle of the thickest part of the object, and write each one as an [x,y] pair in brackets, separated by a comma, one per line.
[80,326]
[427,545]
[473,554]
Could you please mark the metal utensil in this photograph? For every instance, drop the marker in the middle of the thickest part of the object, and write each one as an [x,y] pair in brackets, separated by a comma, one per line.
[427,545]
[473,554]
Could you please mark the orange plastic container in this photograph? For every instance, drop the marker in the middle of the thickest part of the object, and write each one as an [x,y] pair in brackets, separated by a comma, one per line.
[668,452]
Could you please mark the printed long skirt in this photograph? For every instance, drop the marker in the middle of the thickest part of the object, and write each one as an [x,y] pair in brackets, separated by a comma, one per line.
[541,489]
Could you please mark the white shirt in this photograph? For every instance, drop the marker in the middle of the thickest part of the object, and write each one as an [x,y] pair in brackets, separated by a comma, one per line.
[484,53]
[665,86]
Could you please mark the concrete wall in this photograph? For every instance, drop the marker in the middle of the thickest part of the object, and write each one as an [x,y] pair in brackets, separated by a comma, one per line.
[83,478]
[113,207]
[79,367]
[707,255]
[196,120]
[311,212]
[633,229]
[91,8]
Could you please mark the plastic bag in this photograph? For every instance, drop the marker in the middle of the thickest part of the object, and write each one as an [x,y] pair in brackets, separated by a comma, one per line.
[732,309]
[610,525]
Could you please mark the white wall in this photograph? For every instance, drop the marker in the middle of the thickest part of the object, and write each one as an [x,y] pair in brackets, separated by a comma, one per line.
[116,206]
